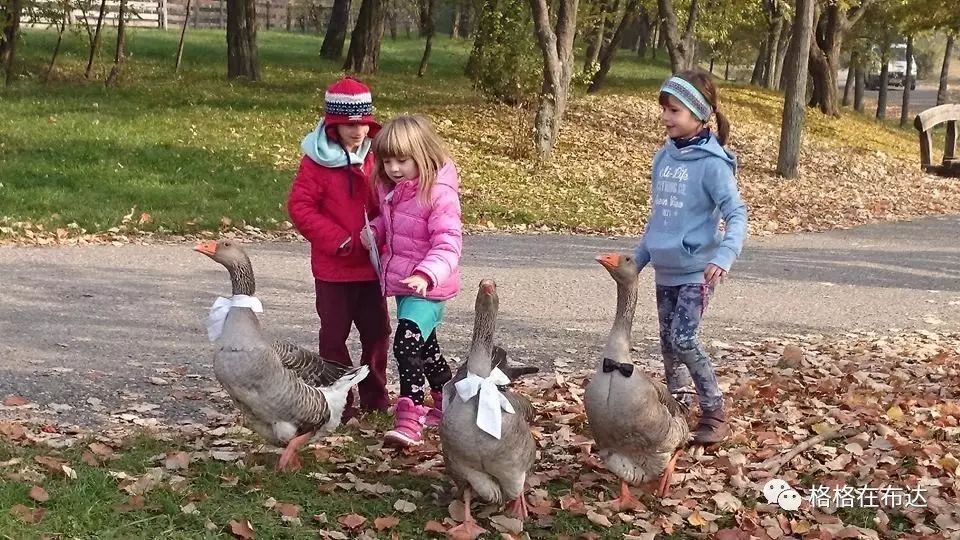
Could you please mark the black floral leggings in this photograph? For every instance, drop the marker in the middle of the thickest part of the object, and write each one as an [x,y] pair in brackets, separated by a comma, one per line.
[417,359]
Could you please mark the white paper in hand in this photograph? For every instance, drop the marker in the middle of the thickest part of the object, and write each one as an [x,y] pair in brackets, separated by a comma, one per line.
[372,242]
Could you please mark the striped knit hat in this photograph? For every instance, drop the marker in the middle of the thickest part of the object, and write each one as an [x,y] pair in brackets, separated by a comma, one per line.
[348,101]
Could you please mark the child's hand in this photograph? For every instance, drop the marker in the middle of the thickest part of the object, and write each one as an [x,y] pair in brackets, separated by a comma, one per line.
[363,236]
[416,282]
[714,274]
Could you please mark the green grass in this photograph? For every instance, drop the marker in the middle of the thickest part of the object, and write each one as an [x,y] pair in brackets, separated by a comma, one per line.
[92,505]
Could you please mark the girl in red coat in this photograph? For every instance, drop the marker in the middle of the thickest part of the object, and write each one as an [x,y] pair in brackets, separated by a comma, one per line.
[327,202]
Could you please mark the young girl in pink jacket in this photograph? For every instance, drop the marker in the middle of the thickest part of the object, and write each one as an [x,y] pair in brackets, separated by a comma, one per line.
[419,235]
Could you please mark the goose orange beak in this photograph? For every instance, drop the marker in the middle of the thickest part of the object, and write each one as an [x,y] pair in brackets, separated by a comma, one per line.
[609,260]
[208,248]
[488,286]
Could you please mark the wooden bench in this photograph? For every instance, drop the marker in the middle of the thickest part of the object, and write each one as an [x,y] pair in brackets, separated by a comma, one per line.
[925,122]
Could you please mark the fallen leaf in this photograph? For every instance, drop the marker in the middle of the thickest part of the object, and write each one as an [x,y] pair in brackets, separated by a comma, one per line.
[727,502]
[14,401]
[135,502]
[26,514]
[386,522]
[696,519]
[190,509]
[334,535]
[599,519]
[100,449]
[69,473]
[39,494]
[509,524]
[895,413]
[176,460]
[404,506]
[90,459]
[287,509]
[731,534]
[52,464]
[243,530]
[12,431]
[351,521]
[435,526]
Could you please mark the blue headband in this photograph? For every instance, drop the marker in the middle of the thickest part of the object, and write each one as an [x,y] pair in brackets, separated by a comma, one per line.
[689,96]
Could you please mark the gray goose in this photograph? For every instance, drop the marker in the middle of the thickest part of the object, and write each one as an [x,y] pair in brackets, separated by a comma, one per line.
[637,424]
[286,394]
[495,469]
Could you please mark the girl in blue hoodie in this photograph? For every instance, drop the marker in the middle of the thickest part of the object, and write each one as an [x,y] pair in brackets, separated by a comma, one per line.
[694,186]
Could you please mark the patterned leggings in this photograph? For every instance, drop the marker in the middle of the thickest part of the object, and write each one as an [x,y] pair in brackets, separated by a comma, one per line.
[417,359]
[680,309]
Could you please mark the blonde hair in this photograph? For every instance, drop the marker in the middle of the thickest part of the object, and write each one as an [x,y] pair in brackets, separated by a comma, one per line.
[410,136]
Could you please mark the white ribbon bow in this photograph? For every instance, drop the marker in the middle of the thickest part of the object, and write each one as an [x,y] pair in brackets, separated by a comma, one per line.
[489,418]
[220,308]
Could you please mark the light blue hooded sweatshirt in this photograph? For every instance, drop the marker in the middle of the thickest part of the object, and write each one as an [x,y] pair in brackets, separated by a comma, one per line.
[693,187]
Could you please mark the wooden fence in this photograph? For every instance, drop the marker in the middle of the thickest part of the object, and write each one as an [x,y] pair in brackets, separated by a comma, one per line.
[296,15]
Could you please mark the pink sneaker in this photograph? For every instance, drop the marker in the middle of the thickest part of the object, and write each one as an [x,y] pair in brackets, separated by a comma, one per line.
[435,414]
[408,419]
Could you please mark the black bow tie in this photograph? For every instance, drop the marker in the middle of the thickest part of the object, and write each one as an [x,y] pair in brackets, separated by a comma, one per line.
[610,364]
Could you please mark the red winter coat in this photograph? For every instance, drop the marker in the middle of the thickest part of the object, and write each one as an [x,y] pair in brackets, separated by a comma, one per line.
[325,212]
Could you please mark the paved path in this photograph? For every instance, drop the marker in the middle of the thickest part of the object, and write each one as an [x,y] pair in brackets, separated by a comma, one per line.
[99,321]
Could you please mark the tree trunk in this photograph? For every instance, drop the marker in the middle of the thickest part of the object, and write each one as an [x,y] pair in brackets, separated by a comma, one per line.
[782,45]
[645,29]
[791,127]
[858,88]
[829,33]
[945,70]
[242,55]
[680,47]
[556,44]
[364,53]
[758,69]
[11,29]
[485,30]
[884,78]
[183,33]
[610,49]
[336,35]
[594,35]
[61,28]
[905,105]
[726,71]
[467,18]
[773,41]
[455,25]
[120,55]
[423,12]
[851,76]
[431,29]
[712,60]
[96,39]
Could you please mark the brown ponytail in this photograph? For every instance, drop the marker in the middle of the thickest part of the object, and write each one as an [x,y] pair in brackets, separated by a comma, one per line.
[703,82]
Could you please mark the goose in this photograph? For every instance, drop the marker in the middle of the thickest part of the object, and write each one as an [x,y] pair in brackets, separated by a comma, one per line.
[286,394]
[491,461]
[637,424]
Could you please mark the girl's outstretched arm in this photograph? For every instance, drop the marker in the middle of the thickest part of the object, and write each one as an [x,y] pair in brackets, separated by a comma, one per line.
[721,185]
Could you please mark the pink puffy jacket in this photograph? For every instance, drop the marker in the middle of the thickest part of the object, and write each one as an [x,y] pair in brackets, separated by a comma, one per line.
[418,238]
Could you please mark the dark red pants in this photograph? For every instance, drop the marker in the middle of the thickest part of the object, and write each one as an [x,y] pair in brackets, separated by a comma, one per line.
[359,303]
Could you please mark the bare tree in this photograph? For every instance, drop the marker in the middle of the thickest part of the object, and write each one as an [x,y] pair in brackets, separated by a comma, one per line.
[61,28]
[851,76]
[610,48]
[905,104]
[884,80]
[431,30]
[556,44]
[11,29]
[945,70]
[791,127]
[242,56]
[95,44]
[336,35]
[774,31]
[120,55]
[364,53]
[183,33]
[680,46]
